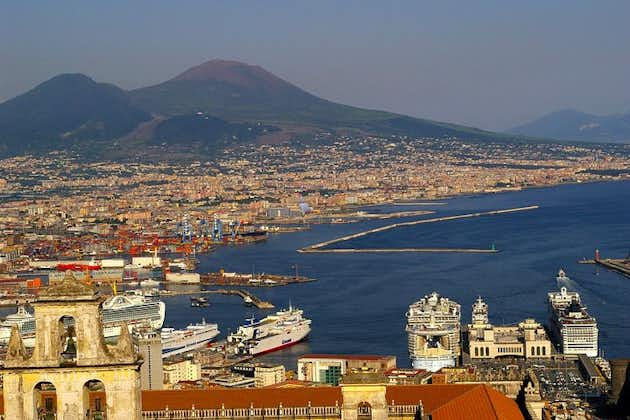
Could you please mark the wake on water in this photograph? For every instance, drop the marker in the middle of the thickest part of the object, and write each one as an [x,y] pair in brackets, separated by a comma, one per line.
[568,283]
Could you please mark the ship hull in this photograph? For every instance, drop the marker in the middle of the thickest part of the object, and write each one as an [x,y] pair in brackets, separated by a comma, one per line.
[173,347]
[278,341]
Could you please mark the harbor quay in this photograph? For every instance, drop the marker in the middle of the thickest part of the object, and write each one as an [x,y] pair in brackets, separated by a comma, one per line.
[533,370]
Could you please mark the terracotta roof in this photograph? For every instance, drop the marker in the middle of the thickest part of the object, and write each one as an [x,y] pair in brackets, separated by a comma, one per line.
[452,402]
[457,401]
[442,402]
[241,398]
[346,356]
[432,396]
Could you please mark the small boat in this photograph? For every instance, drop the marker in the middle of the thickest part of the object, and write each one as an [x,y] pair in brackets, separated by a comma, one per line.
[562,276]
[199,302]
[149,283]
[247,301]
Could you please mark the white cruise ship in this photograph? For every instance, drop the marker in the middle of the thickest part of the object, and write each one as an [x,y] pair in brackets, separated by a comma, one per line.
[433,325]
[573,329]
[282,329]
[190,338]
[136,310]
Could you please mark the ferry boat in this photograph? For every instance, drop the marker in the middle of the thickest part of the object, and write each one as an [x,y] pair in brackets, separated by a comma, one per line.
[282,329]
[573,328]
[194,336]
[134,309]
[433,328]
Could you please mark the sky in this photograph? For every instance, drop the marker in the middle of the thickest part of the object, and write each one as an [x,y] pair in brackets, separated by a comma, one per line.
[489,64]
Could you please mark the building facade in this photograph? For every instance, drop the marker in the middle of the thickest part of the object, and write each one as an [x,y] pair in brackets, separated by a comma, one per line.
[266,375]
[329,368]
[181,370]
[151,372]
[527,339]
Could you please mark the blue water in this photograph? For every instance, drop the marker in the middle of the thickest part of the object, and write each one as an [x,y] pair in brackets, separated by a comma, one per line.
[359,300]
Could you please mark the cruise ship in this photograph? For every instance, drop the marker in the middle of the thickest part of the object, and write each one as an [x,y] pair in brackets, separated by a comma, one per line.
[190,338]
[136,310]
[282,329]
[573,329]
[433,328]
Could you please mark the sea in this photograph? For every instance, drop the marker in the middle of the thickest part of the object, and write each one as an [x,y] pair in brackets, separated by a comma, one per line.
[358,302]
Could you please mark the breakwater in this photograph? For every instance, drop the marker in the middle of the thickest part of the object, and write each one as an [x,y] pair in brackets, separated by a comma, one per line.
[319,247]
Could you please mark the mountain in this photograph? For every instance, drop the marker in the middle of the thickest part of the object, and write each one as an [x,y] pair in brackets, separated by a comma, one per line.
[574,125]
[202,109]
[64,110]
[236,91]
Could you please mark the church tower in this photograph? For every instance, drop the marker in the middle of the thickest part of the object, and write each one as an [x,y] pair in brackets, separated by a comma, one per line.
[72,373]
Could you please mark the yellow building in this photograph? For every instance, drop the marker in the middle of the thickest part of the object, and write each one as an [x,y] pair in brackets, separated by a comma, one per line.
[181,370]
[266,375]
[71,371]
[527,339]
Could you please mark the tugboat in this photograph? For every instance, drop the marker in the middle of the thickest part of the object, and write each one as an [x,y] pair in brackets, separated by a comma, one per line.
[562,276]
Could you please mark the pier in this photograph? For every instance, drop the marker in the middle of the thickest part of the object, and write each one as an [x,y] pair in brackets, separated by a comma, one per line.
[377,250]
[257,302]
[318,247]
[620,266]
[251,280]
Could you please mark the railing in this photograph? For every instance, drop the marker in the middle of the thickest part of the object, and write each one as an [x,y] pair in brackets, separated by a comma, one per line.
[404,410]
[270,413]
[244,413]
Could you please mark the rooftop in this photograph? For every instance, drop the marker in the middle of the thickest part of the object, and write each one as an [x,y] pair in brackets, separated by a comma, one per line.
[347,356]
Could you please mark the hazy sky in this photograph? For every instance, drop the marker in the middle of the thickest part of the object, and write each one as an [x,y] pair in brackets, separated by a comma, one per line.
[491,64]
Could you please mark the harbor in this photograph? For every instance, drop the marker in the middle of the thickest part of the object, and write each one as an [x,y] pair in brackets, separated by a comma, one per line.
[247,296]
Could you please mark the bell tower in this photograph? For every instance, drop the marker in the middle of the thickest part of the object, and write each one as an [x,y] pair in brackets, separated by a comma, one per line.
[72,373]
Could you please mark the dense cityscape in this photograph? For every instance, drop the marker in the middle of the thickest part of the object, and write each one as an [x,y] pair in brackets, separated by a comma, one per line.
[135,230]
[314,210]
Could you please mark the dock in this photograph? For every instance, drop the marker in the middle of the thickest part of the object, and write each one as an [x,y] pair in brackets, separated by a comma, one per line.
[257,302]
[620,266]
[251,280]
[318,247]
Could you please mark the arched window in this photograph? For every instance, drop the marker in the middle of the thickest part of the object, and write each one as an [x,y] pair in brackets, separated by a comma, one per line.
[94,400]
[544,350]
[67,341]
[487,351]
[476,351]
[537,350]
[532,350]
[45,401]
[364,410]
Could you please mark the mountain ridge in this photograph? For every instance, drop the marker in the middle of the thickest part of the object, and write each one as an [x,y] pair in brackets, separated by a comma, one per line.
[66,109]
[574,125]
[211,104]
